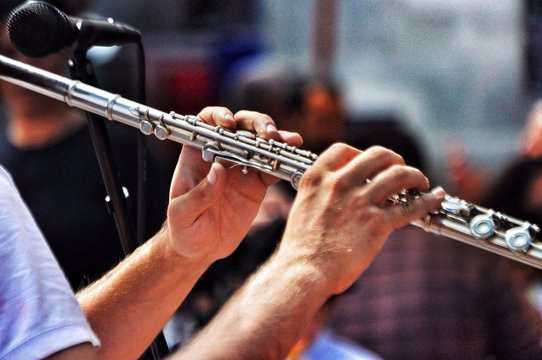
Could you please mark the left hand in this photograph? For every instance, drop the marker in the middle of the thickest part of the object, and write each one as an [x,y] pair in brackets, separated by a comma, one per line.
[212,207]
[338,222]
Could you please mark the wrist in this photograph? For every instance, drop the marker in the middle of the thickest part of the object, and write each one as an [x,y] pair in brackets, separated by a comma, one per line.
[335,267]
[170,254]
[300,267]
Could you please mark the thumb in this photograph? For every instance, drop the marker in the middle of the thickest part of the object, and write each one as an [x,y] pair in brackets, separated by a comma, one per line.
[186,208]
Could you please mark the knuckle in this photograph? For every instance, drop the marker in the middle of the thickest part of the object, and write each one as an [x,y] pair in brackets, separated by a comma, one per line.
[334,184]
[385,154]
[210,110]
[266,118]
[207,109]
[335,148]
[240,114]
[311,179]
[399,172]
[248,113]
[377,150]
[407,173]
[218,108]
[339,183]
[339,148]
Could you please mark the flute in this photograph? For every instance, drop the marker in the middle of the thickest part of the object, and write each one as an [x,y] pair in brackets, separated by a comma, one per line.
[456,219]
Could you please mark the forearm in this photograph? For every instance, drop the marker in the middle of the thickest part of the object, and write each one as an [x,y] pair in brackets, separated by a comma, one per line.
[129,305]
[265,318]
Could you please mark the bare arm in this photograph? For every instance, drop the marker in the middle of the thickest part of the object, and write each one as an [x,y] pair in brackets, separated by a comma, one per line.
[128,306]
[263,320]
[80,352]
[337,226]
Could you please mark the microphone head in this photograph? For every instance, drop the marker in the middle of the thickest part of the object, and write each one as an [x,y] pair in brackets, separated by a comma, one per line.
[38,29]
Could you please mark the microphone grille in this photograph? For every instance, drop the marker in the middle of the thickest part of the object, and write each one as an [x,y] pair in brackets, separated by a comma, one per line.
[38,29]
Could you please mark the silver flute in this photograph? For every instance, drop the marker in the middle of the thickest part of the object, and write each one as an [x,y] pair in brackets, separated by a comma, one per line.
[456,219]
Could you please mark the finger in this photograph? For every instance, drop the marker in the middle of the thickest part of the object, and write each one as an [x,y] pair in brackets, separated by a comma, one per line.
[218,115]
[401,215]
[253,121]
[369,163]
[259,123]
[189,171]
[187,207]
[394,180]
[335,157]
[291,138]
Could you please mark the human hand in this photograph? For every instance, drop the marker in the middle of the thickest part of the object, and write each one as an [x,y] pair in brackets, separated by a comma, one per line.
[339,222]
[211,207]
[531,134]
[467,181]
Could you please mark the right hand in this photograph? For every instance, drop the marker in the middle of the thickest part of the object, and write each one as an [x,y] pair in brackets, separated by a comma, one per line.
[339,222]
[211,207]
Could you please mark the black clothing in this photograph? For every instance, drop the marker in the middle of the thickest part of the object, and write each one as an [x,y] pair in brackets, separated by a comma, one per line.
[62,185]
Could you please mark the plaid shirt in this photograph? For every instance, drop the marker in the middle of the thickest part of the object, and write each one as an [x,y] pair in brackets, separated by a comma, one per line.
[429,297]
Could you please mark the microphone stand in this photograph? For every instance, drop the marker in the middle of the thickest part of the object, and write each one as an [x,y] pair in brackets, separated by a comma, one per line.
[81,69]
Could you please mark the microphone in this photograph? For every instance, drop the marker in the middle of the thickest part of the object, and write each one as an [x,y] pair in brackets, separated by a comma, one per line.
[37,29]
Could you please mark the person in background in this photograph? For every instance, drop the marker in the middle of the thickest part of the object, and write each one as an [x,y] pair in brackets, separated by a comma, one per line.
[466,180]
[471,182]
[531,136]
[47,148]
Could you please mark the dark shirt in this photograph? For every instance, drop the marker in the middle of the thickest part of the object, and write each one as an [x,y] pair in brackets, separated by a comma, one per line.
[429,297]
[63,187]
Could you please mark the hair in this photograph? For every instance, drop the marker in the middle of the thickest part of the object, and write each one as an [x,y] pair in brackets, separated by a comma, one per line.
[273,91]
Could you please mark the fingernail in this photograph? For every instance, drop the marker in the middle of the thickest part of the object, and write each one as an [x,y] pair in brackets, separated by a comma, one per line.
[271,128]
[438,192]
[229,117]
[212,175]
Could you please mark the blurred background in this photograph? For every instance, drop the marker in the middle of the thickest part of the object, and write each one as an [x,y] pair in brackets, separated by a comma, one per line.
[457,73]
[459,78]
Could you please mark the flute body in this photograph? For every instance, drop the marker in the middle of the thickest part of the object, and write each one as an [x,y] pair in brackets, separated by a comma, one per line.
[456,218]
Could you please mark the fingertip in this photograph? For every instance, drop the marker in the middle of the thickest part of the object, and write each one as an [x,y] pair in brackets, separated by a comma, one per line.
[212,176]
[434,198]
[427,183]
[216,172]
[438,193]
[291,138]
[227,120]
[218,115]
